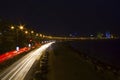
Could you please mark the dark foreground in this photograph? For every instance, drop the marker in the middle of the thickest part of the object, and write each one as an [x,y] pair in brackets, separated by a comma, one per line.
[61,61]
[64,63]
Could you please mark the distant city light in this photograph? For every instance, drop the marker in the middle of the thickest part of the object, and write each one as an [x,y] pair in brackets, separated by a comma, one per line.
[108,35]
[91,35]
[40,35]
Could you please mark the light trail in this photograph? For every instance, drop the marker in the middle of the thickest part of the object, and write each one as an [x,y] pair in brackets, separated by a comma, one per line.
[12,54]
[19,69]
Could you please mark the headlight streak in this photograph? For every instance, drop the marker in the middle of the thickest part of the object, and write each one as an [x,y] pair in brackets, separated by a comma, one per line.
[20,68]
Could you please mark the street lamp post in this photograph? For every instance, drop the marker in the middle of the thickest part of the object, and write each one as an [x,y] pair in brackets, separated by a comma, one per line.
[21,28]
[17,29]
[28,34]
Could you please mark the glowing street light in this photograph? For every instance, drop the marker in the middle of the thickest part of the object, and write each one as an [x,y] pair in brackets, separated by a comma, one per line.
[43,36]
[26,32]
[21,27]
[40,35]
[32,32]
[37,34]
[12,27]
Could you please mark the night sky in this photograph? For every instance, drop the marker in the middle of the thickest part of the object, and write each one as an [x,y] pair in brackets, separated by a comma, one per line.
[62,17]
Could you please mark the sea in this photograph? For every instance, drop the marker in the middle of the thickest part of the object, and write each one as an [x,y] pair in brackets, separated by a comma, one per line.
[106,51]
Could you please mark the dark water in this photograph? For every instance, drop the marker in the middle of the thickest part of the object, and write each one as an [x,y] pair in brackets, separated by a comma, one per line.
[107,51]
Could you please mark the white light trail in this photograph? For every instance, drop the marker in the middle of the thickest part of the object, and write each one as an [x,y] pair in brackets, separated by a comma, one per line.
[19,69]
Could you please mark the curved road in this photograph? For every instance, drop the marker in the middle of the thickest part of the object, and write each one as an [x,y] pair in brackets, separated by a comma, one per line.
[20,69]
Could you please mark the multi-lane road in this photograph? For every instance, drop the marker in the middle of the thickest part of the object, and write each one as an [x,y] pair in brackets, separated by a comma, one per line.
[20,69]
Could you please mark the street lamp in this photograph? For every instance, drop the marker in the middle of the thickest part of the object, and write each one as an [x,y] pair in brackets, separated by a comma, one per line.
[21,27]
[32,32]
[17,28]
[26,32]
[12,27]
[40,35]
[37,34]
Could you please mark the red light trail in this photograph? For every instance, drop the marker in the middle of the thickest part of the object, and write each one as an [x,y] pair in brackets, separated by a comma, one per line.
[11,54]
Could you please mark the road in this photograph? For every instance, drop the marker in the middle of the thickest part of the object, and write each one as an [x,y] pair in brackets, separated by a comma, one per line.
[12,54]
[21,68]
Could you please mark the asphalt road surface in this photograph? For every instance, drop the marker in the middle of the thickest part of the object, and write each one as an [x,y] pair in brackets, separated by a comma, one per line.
[20,69]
